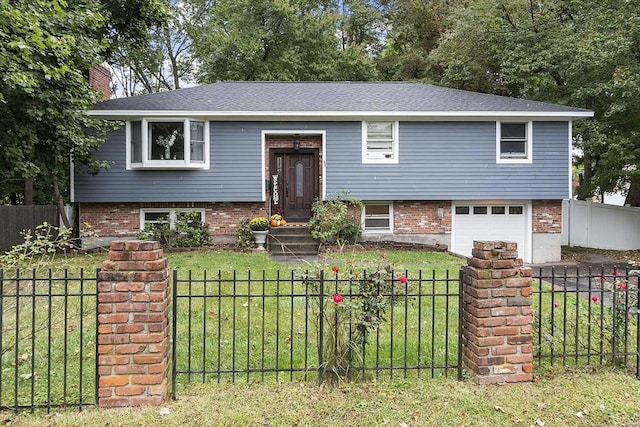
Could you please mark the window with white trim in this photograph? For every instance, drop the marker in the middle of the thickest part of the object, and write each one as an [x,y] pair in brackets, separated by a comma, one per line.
[379,142]
[514,142]
[158,216]
[167,144]
[377,217]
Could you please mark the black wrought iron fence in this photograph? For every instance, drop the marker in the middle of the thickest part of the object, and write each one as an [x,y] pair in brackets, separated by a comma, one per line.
[311,327]
[283,326]
[47,339]
[587,316]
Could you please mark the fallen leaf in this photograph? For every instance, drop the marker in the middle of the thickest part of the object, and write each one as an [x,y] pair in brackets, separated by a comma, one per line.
[164,411]
[403,424]
[539,422]
[579,415]
[542,406]
[499,409]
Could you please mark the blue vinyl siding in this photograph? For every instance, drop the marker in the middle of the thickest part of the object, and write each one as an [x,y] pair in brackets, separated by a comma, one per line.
[437,161]
[234,173]
[451,161]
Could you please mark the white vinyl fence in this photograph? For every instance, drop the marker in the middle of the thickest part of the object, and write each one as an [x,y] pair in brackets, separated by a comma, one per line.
[596,225]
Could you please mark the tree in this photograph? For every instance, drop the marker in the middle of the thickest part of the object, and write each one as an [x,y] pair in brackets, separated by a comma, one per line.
[45,46]
[165,61]
[265,40]
[415,30]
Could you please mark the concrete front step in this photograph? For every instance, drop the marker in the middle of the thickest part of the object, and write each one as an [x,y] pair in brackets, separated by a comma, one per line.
[295,240]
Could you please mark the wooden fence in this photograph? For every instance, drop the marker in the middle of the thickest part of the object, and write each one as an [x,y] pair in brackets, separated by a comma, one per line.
[14,220]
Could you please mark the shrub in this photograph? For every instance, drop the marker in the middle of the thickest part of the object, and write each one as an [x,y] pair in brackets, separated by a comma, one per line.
[331,223]
[357,308]
[38,249]
[189,231]
[244,236]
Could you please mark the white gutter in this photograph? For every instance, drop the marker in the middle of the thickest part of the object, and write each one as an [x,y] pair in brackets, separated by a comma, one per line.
[342,115]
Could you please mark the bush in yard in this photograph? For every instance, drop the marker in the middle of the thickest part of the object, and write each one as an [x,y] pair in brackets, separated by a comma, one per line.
[331,222]
[356,306]
[245,239]
[38,249]
[189,231]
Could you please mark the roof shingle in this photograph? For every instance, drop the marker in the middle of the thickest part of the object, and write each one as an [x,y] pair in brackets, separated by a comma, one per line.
[318,97]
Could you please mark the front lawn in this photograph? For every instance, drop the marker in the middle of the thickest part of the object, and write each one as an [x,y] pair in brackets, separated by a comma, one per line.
[576,398]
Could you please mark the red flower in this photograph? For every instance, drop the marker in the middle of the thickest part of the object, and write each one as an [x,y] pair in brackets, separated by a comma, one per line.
[403,279]
[337,298]
[622,286]
[335,269]
[383,255]
[556,305]
[594,299]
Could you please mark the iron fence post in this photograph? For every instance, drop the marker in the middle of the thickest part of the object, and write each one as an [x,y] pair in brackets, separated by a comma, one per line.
[460,315]
[638,327]
[321,328]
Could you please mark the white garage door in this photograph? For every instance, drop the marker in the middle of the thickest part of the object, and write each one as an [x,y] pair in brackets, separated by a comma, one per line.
[485,221]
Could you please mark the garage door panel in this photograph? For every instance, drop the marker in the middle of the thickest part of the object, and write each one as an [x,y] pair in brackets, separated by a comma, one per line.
[507,222]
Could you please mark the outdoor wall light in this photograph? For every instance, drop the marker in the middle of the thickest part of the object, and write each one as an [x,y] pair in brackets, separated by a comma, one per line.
[296,142]
[440,212]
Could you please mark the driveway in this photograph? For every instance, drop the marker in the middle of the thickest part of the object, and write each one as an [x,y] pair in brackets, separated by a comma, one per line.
[583,271]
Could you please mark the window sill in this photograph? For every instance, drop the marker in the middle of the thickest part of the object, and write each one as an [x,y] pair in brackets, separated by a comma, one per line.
[167,165]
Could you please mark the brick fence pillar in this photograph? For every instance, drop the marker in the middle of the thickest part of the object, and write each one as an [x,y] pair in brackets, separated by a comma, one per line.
[133,325]
[497,323]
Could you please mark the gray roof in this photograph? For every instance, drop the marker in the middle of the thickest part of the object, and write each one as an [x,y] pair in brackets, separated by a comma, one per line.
[334,97]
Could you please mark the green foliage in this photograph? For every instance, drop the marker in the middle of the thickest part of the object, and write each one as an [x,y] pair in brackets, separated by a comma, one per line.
[189,231]
[357,308]
[38,249]
[244,236]
[259,223]
[45,49]
[332,221]
[293,40]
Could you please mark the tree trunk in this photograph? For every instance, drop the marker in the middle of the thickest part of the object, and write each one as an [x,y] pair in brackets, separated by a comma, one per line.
[633,196]
[60,203]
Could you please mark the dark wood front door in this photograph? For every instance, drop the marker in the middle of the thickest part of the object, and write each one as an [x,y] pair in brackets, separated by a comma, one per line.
[296,185]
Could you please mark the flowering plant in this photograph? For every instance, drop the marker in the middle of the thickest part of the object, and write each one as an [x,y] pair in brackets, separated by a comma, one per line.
[624,304]
[167,142]
[259,223]
[355,307]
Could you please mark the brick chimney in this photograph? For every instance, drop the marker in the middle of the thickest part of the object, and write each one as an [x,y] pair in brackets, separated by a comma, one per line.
[100,80]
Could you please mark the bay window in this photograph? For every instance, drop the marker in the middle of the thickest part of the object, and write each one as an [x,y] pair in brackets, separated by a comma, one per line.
[167,144]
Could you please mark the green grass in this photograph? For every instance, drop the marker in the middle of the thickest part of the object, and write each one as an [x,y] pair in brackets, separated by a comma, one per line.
[580,398]
[276,338]
[265,321]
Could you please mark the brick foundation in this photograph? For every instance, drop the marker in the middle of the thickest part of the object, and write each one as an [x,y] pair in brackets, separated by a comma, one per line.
[420,217]
[123,219]
[547,216]
[133,325]
[498,317]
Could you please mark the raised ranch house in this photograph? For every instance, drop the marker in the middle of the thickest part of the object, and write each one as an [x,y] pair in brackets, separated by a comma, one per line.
[431,164]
